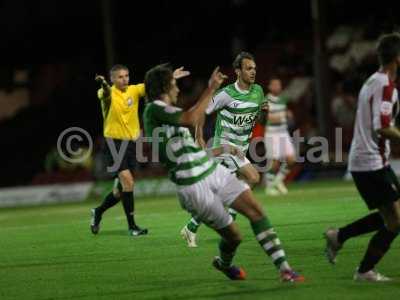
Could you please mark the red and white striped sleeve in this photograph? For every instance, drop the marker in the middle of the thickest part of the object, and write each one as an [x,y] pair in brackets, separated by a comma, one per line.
[382,106]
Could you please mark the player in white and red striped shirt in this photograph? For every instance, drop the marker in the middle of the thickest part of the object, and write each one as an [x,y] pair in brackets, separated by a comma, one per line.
[375,180]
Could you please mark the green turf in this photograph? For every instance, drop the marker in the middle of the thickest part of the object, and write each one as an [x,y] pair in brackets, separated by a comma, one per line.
[49,253]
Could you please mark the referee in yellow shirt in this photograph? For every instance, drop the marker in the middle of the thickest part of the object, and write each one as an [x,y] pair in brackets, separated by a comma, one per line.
[120,104]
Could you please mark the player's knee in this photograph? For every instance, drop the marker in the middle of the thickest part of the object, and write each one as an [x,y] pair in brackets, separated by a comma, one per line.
[127,183]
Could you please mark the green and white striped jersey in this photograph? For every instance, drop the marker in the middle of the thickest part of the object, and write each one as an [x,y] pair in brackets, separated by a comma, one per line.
[237,113]
[186,162]
[277,110]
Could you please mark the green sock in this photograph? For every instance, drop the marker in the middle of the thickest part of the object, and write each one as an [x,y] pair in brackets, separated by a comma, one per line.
[269,241]
[226,253]
[193,225]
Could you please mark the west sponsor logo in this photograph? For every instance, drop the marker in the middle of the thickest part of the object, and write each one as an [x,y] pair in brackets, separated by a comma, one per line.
[244,119]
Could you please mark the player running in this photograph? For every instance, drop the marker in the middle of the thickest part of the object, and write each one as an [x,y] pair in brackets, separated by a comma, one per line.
[278,144]
[375,180]
[204,187]
[237,105]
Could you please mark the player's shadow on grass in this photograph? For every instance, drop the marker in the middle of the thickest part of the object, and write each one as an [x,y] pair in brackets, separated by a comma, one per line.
[114,232]
[210,241]
[247,292]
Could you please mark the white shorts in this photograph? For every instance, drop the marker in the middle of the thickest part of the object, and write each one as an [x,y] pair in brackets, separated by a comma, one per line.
[278,145]
[206,200]
[232,162]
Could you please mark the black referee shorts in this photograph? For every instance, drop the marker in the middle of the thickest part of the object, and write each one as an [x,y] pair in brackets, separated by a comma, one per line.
[377,188]
[120,155]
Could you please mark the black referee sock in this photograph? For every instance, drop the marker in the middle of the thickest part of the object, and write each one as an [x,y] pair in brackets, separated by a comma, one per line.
[369,223]
[109,201]
[128,204]
[378,246]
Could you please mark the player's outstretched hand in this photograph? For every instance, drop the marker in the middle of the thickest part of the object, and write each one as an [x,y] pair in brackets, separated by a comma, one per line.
[235,151]
[180,73]
[216,79]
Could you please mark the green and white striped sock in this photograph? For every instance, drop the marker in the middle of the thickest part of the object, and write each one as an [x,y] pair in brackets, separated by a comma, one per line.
[269,241]
[233,213]
[193,225]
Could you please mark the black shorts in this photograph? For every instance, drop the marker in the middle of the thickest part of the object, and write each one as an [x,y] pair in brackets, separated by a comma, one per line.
[118,159]
[377,188]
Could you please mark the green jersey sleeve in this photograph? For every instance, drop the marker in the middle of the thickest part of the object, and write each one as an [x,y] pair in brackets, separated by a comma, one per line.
[169,115]
[261,93]
[218,101]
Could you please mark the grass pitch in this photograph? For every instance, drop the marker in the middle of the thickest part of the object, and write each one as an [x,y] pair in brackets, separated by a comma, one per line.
[49,253]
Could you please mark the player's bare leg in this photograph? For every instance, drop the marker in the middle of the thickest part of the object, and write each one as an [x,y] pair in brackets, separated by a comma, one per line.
[249,174]
[247,205]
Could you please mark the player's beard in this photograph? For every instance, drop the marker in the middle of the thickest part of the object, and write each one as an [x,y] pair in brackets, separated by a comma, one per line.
[247,81]
[251,81]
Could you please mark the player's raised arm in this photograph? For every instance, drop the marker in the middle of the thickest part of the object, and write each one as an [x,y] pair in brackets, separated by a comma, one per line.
[180,73]
[198,134]
[382,109]
[194,115]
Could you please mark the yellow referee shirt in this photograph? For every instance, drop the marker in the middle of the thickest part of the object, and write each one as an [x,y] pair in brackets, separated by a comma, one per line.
[121,120]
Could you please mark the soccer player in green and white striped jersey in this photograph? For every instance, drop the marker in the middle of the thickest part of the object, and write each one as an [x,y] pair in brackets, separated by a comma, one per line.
[237,105]
[204,187]
[278,143]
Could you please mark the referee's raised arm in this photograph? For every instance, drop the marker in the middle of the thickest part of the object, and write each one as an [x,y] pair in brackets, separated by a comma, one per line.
[104,85]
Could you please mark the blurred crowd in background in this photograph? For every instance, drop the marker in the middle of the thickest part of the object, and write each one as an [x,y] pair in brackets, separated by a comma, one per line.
[47,84]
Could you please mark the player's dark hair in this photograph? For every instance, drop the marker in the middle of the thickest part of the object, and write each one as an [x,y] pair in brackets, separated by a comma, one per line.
[274,77]
[158,81]
[118,67]
[237,63]
[388,48]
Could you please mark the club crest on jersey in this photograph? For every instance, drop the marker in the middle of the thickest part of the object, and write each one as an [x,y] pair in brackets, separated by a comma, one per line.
[129,101]
[386,108]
